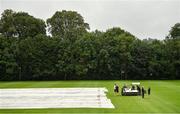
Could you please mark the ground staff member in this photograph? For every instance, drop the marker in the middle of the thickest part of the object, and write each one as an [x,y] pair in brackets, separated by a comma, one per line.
[143,91]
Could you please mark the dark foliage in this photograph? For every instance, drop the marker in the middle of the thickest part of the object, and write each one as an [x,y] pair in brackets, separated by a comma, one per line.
[114,54]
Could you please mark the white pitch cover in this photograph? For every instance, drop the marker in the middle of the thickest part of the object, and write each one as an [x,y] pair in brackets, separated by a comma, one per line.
[54,98]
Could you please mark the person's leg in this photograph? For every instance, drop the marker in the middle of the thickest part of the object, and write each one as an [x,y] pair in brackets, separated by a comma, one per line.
[114,92]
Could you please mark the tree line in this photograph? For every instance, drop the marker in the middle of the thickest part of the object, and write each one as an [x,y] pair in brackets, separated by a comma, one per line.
[72,52]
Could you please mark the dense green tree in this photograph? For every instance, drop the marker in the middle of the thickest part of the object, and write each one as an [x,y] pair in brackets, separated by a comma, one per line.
[8,64]
[142,60]
[156,68]
[116,31]
[66,61]
[67,24]
[26,53]
[172,43]
[6,23]
[173,57]
[175,31]
[37,57]
[119,42]
[20,24]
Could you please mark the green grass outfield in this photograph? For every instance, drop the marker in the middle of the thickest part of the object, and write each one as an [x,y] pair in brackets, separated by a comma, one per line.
[164,98]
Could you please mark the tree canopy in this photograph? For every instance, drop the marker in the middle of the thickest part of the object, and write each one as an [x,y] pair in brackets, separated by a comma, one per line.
[72,52]
[20,24]
[67,24]
[175,31]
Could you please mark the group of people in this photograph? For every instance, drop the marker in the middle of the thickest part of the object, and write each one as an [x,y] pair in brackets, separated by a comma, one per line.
[144,91]
[141,91]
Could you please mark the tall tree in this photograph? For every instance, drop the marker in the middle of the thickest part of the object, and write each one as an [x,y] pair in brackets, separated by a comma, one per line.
[67,24]
[8,64]
[173,51]
[20,24]
[174,33]
[6,23]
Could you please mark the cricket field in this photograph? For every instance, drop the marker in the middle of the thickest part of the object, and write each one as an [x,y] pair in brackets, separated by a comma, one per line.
[164,98]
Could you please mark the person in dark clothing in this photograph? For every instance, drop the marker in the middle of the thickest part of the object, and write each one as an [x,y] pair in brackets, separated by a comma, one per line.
[143,91]
[133,87]
[122,89]
[139,89]
[149,91]
[116,89]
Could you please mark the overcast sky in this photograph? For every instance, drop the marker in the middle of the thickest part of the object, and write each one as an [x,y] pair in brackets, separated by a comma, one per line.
[143,18]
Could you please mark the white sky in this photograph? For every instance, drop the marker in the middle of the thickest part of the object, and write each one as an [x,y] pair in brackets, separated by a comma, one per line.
[143,18]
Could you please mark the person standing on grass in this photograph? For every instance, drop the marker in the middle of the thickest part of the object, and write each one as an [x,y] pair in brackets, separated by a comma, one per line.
[143,91]
[116,89]
[149,91]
